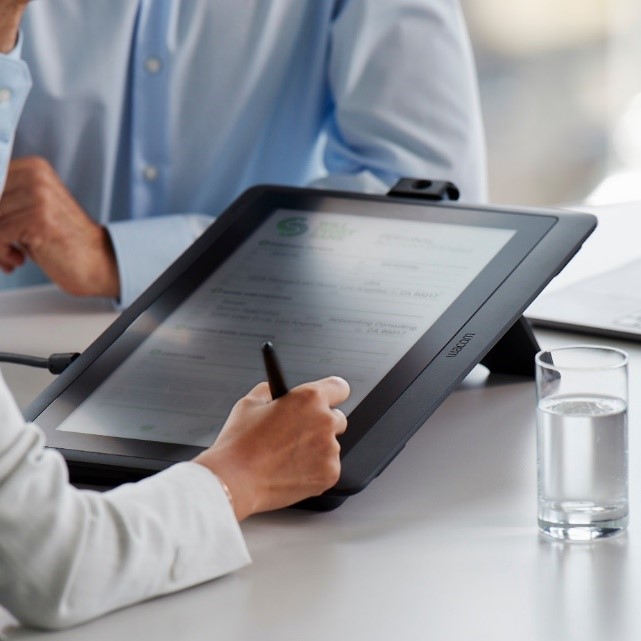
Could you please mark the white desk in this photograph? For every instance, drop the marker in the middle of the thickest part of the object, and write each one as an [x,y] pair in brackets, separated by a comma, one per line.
[442,546]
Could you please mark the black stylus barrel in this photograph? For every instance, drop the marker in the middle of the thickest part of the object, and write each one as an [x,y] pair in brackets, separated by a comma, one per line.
[275,378]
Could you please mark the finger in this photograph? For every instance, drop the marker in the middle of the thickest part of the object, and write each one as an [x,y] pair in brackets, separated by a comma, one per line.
[7,268]
[29,165]
[335,388]
[15,230]
[260,393]
[23,173]
[15,256]
[27,177]
[11,256]
[15,200]
[340,420]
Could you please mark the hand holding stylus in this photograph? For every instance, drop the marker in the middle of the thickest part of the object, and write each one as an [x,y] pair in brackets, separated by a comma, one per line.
[271,455]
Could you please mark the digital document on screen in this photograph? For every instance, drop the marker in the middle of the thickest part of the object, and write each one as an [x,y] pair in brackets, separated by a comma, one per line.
[337,294]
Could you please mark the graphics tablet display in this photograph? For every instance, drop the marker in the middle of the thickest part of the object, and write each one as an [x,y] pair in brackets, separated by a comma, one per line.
[368,288]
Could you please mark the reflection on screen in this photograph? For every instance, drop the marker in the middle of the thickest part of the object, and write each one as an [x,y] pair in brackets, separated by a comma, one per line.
[337,294]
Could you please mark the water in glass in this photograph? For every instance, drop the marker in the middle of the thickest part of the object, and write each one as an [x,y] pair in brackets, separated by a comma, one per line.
[583,488]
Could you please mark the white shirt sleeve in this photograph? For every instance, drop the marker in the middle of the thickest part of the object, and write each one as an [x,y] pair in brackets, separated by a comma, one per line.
[69,555]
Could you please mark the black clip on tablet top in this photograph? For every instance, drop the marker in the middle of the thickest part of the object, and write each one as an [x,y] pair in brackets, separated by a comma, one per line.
[513,354]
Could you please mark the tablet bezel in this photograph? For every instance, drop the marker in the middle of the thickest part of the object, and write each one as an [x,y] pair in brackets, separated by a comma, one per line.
[401,402]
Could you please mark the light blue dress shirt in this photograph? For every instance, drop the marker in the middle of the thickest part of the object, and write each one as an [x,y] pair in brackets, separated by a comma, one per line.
[158,113]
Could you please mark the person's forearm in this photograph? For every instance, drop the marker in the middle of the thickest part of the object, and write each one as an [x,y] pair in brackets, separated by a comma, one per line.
[67,555]
[10,15]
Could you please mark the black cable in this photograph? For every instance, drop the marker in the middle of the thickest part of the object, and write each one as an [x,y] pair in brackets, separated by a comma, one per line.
[56,363]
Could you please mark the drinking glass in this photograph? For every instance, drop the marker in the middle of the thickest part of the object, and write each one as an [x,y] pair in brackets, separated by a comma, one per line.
[582,441]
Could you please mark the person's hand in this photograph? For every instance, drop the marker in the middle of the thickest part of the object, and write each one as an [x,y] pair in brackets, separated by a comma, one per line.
[10,15]
[271,454]
[41,219]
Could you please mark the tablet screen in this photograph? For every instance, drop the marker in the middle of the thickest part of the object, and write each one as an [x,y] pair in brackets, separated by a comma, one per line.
[336,293]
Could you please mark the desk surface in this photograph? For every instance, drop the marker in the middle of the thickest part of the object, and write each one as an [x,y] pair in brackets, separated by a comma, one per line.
[443,545]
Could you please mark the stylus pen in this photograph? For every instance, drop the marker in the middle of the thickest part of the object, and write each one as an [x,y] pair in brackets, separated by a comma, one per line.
[275,378]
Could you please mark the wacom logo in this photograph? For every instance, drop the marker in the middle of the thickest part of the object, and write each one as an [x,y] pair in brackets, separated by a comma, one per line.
[460,345]
[292,226]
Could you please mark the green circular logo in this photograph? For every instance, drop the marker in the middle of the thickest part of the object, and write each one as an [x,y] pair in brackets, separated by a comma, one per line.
[292,226]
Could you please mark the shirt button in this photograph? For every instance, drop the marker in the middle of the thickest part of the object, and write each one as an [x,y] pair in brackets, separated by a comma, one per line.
[150,173]
[5,95]
[153,64]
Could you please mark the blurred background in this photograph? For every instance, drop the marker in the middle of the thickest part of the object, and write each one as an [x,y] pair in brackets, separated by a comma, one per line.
[560,87]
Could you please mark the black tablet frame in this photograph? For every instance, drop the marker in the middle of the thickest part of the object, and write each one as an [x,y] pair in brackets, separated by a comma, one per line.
[393,411]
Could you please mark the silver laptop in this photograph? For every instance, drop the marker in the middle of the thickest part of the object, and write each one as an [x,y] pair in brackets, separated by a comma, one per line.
[608,304]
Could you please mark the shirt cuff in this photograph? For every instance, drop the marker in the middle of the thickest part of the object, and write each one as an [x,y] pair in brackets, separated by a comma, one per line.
[209,539]
[145,248]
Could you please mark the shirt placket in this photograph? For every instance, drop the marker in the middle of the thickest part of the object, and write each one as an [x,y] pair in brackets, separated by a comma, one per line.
[150,77]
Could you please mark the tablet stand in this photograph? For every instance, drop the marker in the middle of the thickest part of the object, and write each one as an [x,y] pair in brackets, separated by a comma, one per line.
[514,353]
